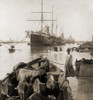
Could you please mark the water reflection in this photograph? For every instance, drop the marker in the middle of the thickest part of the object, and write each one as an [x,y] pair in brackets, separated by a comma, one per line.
[40,49]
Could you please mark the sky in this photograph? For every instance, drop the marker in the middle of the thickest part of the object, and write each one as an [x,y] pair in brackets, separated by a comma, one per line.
[74,17]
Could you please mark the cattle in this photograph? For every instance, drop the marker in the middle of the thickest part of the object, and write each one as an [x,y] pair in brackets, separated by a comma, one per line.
[52,86]
[29,90]
[24,90]
[42,75]
[24,73]
[37,96]
[3,96]
[39,87]
[64,88]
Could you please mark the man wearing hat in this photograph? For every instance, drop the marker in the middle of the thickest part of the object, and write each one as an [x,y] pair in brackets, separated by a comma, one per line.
[69,70]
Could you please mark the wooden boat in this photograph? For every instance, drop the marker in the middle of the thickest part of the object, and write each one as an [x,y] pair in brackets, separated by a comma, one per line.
[11,49]
[85,79]
[84,67]
[9,84]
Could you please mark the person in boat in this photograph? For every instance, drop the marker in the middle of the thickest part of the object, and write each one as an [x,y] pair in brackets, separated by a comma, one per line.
[69,70]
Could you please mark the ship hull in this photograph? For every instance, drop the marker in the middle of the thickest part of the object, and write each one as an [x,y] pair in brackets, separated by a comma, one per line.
[40,40]
[45,40]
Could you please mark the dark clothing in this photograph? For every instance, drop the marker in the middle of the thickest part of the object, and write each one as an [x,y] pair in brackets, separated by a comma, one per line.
[70,72]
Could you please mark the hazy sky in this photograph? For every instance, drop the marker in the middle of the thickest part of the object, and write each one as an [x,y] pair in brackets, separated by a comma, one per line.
[74,17]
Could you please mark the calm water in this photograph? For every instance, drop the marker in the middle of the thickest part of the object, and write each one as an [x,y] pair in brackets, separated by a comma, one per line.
[24,53]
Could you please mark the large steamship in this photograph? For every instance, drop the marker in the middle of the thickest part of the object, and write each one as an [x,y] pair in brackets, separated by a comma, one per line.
[44,37]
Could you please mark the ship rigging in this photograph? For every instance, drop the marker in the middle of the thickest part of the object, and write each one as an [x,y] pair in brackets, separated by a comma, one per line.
[44,37]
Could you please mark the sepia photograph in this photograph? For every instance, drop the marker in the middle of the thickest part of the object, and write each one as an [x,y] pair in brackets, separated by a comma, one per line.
[46,49]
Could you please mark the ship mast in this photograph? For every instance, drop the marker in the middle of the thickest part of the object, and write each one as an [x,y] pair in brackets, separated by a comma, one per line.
[52,20]
[56,26]
[41,15]
[42,19]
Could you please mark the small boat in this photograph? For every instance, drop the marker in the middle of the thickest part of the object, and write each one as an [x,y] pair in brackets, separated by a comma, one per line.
[39,68]
[12,49]
[84,69]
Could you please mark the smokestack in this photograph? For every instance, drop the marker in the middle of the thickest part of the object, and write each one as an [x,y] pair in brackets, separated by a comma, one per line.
[92,38]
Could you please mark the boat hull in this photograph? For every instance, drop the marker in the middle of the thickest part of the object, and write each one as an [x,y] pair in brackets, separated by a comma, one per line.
[11,50]
[44,40]
[40,40]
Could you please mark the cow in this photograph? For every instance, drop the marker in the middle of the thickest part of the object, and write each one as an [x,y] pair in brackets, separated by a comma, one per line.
[24,73]
[38,96]
[3,96]
[42,75]
[24,90]
[64,88]
[52,87]
[39,87]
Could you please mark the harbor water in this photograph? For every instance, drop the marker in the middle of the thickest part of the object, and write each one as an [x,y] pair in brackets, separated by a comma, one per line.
[25,53]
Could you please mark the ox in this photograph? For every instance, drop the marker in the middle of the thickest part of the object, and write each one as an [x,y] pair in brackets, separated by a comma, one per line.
[24,90]
[65,89]
[52,87]
[24,73]
[37,96]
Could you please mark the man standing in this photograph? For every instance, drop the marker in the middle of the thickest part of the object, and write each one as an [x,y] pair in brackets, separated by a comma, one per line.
[69,70]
